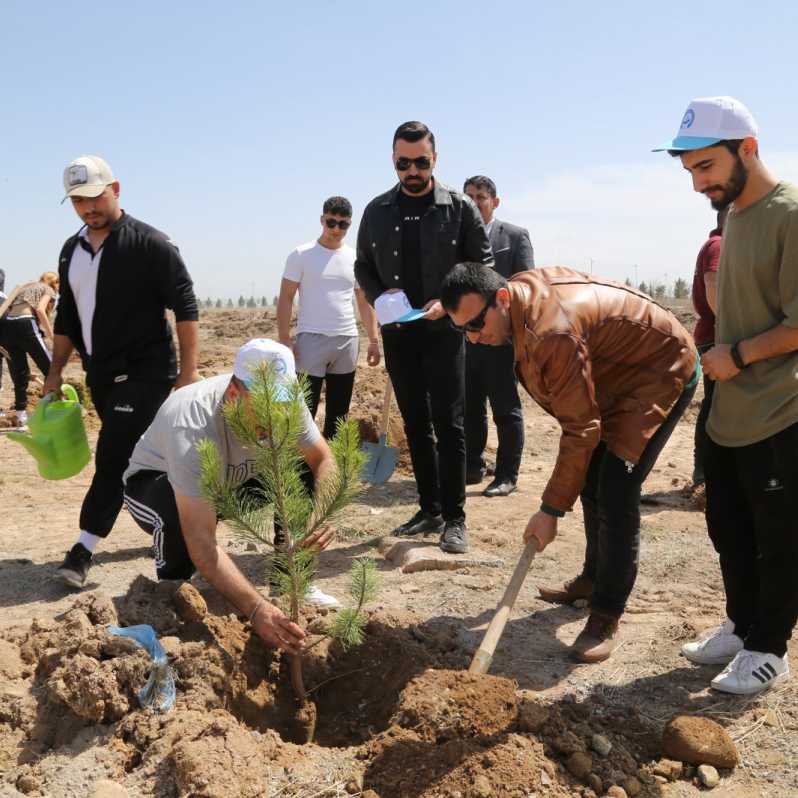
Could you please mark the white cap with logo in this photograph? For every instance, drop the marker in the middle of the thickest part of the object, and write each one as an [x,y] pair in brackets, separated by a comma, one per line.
[87,176]
[395,307]
[709,120]
[264,350]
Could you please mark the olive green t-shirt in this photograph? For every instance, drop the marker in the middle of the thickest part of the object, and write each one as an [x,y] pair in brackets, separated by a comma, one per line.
[757,290]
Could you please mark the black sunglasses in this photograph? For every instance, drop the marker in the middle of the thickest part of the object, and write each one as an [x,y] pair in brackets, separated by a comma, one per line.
[333,223]
[478,322]
[422,162]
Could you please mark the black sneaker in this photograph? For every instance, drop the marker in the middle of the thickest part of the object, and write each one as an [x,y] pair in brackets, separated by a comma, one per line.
[419,524]
[74,570]
[453,539]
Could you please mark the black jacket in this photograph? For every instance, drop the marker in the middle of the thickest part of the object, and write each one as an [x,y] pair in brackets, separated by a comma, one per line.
[141,274]
[512,249]
[451,232]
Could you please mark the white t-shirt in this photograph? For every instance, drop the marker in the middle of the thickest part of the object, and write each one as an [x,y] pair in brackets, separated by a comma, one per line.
[83,269]
[326,280]
[189,415]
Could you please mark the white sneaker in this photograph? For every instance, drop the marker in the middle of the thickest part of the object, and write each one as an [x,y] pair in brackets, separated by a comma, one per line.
[752,672]
[22,418]
[320,599]
[719,646]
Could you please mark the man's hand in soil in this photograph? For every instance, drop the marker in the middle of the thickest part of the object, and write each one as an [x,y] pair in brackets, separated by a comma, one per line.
[434,310]
[271,625]
[543,527]
[320,539]
[718,364]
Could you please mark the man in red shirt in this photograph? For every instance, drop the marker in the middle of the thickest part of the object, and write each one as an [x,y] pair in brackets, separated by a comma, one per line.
[705,287]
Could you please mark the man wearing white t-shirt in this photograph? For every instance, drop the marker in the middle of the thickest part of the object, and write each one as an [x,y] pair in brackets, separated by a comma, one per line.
[326,345]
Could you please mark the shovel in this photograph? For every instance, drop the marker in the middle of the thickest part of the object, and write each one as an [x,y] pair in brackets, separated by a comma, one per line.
[484,655]
[381,457]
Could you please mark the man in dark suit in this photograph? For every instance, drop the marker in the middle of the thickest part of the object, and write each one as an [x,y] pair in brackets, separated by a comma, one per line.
[490,371]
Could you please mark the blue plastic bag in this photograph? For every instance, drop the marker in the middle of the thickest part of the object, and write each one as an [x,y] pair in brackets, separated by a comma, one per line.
[159,693]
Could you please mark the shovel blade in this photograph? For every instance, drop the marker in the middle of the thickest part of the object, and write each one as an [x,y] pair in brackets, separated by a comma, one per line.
[381,461]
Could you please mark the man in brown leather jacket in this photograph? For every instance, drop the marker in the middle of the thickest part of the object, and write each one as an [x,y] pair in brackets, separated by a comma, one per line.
[617,371]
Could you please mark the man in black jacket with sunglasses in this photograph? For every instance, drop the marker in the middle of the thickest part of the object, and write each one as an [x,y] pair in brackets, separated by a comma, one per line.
[409,239]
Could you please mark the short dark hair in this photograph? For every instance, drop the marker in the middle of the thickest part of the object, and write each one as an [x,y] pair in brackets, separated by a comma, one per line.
[338,206]
[480,181]
[732,145]
[469,278]
[413,131]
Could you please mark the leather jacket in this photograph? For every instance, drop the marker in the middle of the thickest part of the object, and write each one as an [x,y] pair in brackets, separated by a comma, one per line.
[605,360]
[451,232]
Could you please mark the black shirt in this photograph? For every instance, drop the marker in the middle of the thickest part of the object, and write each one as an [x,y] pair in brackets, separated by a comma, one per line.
[140,275]
[411,210]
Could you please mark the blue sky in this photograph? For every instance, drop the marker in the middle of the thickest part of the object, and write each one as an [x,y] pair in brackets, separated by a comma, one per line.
[227,125]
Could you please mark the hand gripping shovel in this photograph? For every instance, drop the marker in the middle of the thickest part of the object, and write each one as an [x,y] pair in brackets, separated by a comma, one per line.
[381,457]
[484,655]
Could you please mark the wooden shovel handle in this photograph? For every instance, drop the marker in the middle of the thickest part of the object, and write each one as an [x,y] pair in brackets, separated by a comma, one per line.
[386,407]
[484,655]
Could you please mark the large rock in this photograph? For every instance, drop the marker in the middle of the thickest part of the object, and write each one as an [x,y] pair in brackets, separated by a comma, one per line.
[415,555]
[699,741]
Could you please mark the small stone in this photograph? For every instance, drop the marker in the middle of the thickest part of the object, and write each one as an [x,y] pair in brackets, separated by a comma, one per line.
[668,769]
[616,792]
[27,783]
[579,765]
[580,604]
[660,779]
[251,546]
[190,605]
[632,786]
[709,776]
[369,794]
[600,744]
[482,787]
[595,783]
[352,787]
[700,741]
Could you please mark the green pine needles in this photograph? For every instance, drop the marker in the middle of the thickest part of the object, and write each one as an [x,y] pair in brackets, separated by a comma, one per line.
[269,424]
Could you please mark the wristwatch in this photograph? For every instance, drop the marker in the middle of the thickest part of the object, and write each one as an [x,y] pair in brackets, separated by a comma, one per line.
[737,357]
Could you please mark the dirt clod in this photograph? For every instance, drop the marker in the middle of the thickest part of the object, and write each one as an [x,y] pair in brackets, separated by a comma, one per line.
[579,764]
[190,605]
[700,741]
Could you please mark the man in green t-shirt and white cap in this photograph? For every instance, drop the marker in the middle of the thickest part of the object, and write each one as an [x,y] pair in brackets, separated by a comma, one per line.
[751,465]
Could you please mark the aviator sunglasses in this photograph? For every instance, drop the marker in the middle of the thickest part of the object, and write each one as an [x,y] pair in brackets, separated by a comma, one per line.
[478,322]
[422,162]
[333,223]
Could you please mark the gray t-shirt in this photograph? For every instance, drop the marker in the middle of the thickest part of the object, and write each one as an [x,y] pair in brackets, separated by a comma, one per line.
[189,415]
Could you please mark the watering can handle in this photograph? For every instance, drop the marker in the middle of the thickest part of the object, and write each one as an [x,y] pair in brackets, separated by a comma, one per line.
[70,393]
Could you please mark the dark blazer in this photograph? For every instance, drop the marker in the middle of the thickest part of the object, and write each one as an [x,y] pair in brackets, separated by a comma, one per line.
[512,249]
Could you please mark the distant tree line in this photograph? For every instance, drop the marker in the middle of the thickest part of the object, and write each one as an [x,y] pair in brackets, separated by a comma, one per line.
[659,290]
[242,302]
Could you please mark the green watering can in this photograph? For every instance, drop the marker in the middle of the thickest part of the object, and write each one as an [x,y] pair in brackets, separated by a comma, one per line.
[57,436]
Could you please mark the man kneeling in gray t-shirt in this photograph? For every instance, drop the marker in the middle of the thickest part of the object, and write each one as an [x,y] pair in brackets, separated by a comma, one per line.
[163,493]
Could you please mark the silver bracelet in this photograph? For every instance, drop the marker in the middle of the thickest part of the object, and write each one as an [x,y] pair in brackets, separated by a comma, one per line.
[258,604]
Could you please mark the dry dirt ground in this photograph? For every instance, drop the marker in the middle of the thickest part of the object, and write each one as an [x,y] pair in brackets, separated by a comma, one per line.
[425,619]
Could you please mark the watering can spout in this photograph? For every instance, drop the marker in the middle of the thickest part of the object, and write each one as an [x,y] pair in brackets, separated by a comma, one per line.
[42,452]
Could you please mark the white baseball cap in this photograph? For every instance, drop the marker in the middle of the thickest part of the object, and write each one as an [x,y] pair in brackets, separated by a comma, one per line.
[264,350]
[395,307]
[709,120]
[87,176]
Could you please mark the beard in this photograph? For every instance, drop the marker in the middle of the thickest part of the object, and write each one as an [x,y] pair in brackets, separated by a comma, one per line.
[415,184]
[733,188]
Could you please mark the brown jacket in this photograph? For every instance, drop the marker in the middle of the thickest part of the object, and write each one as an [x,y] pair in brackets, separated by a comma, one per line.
[605,360]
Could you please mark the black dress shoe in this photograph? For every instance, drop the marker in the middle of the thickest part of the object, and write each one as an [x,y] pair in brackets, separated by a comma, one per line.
[500,487]
[454,540]
[475,477]
[419,524]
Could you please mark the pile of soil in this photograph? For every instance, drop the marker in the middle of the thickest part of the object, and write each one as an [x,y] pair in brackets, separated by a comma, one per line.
[394,715]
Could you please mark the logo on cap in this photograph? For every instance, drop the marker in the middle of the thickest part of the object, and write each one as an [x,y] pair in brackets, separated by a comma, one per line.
[689,118]
[77,175]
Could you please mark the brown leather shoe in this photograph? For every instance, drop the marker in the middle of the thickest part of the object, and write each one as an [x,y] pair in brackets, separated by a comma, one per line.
[598,639]
[580,587]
